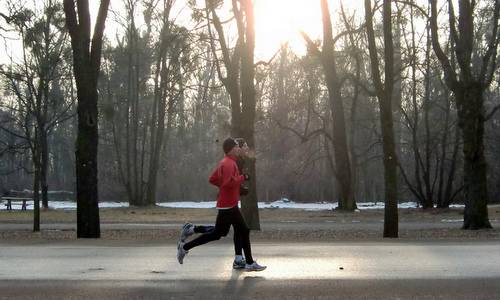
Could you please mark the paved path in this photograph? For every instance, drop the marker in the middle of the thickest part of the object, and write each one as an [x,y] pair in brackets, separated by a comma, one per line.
[123,270]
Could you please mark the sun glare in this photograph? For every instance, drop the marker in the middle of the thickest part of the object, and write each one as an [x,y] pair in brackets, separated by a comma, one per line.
[280,21]
[276,22]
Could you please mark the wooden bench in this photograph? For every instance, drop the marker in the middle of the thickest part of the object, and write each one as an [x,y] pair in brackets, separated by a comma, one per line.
[21,200]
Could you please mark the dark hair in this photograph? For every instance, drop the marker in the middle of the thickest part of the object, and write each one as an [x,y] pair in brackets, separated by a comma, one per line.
[228,145]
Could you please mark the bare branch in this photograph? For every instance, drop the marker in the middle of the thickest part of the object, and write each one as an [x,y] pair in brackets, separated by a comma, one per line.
[449,72]
[491,53]
[492,112]
[310,44]
[212,47]
[372,47]
[304,137]
[267,63]
[361,28]
[95,51]
[417,194]
[414,5]
[361,84]
[220,32]
[71,20]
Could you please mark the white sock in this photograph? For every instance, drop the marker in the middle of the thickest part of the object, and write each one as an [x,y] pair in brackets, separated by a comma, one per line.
[238,257]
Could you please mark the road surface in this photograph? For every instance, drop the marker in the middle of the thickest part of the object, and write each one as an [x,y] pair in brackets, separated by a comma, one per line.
[101,269]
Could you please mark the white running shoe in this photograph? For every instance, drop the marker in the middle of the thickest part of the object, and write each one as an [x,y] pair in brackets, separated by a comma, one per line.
[239,264]
[254,267]
[181,253]
[187,231]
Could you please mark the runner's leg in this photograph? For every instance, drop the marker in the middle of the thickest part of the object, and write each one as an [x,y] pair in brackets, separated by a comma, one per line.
[222,225]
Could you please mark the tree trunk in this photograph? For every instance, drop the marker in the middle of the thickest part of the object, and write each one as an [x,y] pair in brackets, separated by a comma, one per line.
[448,197]
[428,199]
[441,163]
[133,120]
[86,62]
[159,109]
[471,122]
[390,173]
[468,87]
[88,224]
[397,92]
[159,134]
[353,134]
[343,172]
[241,89]
[249,206]
[36,184]
[384,93]
[44,159]
[36,200]
[341,154]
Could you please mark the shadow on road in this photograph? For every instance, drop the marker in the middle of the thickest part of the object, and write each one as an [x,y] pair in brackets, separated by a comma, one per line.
[236,286]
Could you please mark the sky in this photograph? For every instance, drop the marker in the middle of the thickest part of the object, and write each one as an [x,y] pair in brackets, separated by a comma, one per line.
[280,21]
[276,21]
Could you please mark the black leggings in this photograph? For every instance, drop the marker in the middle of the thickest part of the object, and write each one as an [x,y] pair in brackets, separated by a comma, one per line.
[226,218]
[238,248]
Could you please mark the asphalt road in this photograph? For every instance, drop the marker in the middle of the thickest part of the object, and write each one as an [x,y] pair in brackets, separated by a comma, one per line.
[102,269]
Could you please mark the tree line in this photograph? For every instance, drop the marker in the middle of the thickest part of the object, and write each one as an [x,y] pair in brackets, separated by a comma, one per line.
[393,103]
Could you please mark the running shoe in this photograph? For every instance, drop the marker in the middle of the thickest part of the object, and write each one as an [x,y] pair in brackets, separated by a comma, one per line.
[181,253]
[186,231]
[239,264]
[254,267]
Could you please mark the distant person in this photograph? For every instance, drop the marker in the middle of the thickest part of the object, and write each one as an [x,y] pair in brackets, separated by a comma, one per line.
[244,189]
[227,178]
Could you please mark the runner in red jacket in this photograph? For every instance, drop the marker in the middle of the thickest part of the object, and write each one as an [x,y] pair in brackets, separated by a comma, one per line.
[228,179]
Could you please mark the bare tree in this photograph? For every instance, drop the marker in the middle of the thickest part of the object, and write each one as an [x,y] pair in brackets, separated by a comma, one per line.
[86,66]
[172,49]
[342,170]
[38,110]
[469,78]
[239,83]
[384,92]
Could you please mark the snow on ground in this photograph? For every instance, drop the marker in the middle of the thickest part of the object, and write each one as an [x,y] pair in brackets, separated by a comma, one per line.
[283,203]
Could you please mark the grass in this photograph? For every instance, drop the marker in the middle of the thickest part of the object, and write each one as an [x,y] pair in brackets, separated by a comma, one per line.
[176,215]
[287,225]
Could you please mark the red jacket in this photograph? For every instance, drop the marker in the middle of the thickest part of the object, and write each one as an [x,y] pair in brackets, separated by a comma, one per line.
[228,179]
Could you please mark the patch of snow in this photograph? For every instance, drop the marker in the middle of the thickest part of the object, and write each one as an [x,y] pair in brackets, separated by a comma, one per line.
[70,205]
[113,204]
[282,204]
[452,220]
[188,204]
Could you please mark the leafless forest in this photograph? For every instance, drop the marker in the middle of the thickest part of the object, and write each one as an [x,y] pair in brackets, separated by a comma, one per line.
[394,102]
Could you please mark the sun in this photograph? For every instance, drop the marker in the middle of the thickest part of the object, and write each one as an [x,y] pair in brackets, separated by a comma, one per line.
[280,21]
